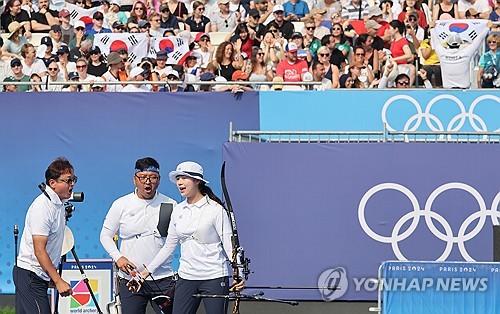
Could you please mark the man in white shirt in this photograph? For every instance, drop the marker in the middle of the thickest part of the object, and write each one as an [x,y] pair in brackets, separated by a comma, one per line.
[53,76]
[318,75]
[136,74]
[136,218]
[30,63]
[42,240]
[481,6]
[115,64]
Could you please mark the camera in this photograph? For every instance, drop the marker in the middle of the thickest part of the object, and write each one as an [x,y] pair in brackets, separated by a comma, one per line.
[76,197]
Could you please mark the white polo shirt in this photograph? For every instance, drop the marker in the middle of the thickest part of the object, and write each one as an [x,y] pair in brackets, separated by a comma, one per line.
[204,232]
[45,217]
[136,221]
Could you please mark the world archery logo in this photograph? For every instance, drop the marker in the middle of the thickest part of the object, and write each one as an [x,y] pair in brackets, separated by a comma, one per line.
[81,297]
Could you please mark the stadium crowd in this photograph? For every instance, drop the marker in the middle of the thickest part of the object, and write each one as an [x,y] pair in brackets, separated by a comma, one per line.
[337,44]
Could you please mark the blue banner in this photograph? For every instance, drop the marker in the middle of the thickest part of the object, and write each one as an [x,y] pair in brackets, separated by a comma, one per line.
[436,288]
[103,134]
[330,214]
[366,110]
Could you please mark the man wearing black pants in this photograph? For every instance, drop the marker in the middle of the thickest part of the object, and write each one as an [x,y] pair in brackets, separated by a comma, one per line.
[42,240]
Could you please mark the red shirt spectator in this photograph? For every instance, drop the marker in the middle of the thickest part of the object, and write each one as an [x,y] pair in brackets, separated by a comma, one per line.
[291,69]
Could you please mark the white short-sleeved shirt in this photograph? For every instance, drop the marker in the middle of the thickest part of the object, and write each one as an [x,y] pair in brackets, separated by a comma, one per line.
[204,232]
[136,222]
[480,6]
[45,217]
[37,67]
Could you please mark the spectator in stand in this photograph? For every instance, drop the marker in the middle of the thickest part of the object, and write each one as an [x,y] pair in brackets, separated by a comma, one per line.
[35,78]
[83,76]
[98,85]
[445,10]
[375,14]
[365,75]
[205,48]
[489,64]
[387,10]
[126,6]
[97,20]
[16,67]
[154,25]
[455,58]
[4,65]
[161,64]
[29,6]
[127,66]
[414,33]
[345,81]
[410,6]
[115,9]
[245,37]
[53,76]
[136,74]
[65,66]
[12,12]
[138,14]
[265,11]
[285,27]
[480,6]
[311,42]
[223,20]
[79,35]
[318,16]
[82,51]
[258,28]
[291,69]
[260,71]
[238,76]
[178,9]
[331,70]
[73,77]
[296,10]
[56,36]
[431,64]
[495,14]
[45,49]
[472,14]
[96,65]
[372,44]
[302,53]
[207,77]
[336,56]
[228,59]
[171,75]
[144,26]
[273,47]
[30,63]
[67,30]
[340,40]
[400,50]
[115,64]
[198,22]
[332,7]
[15,40]
[167,20]
[117,27]
[352,11]
[318,72]
[42,20]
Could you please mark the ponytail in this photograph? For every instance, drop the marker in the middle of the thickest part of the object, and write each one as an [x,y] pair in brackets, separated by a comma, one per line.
[205,190]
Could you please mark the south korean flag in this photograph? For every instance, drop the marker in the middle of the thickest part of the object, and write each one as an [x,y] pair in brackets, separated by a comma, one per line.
[80,14]
[136,44]
[177,48]
[467,29]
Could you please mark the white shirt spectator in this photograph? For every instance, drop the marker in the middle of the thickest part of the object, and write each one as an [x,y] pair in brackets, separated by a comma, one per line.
[481,6]
[130,88]
[110,78]
[37,67]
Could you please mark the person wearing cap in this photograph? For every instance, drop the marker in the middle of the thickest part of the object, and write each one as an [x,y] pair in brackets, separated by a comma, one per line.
[98,85]
[455,58]
[31,64]
[56,37]
[42,20]
[258,28]
[318,17]
[376,14]
[136,74]
[82,50]
[161,63]
[117,27]
[303,53]
[355,10]
[283,26]
[16,67]
[445,10]
[13,12]
[136,218]
[97,65]
[207,77]
[223,20]
[167,20]
[413,6]
[44,51]
[97,20]
[375,41]
[116,64]
[73,77]
[265,11]
[170,75]
[65,65]
[143,26]
[198,22]
[80,37]
[291,69]
[205,48]
[480,6]
[201,226]
[15,40]
[296,10]
[414,33]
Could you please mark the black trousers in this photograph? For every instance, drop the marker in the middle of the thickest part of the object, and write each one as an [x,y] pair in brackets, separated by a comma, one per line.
[185,303]
[136,303]
[31,291]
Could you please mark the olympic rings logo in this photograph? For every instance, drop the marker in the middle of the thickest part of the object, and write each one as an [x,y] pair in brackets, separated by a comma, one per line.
[429,216]
[433,122]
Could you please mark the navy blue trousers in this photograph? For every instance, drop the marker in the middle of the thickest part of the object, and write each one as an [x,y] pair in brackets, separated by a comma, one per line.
[185,303]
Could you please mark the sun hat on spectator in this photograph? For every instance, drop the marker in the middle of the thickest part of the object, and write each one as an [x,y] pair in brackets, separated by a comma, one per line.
[72,75]
[79,24]
[200,35]
[239,75]
[291,47]
[318,11]
[372,24]
[14,26]
[278,8]
[207,76]
[64,13]
[136,71]
[114,58]
[161,55]
[374,11]
[453,40]
[14,62]
[62,50]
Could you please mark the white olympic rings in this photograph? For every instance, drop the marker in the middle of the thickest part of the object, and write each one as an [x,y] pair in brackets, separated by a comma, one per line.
[429,215]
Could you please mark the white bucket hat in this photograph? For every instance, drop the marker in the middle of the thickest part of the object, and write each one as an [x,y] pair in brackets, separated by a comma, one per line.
[188,169]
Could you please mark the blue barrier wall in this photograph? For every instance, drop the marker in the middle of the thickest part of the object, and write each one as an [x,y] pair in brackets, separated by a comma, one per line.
[102,135]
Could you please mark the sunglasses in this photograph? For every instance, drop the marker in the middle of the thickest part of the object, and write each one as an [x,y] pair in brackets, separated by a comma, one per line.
[80,28]
[201,9]
[412,19]
[335,16]
[15,65]
[79,2]
[81,66]
[205,39]
[323,54]
[336,29]
[99,19]
[403,83]
[139,9]
[260,53]
[156,20]
[274,31]
[360,54]
[311,28]
[57,31]
[165,11]
[52,69]
[492,42]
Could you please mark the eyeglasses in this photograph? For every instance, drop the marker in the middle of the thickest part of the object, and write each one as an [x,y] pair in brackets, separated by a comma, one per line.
[69,180]
[492,42]
[80,28]
[52,69]
[57,31]
[81,66]
[260,53]
[323,54]
[139,9]
[360,54]
[311,28]
[403,83]
[165,11]
[144,179]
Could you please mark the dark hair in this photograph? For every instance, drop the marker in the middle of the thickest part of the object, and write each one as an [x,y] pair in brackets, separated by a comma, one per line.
[362,38]
[343,39]
[315,65]
[205,190]
[400,76]
[9,5]
[146,162]
[255,51]
[57,168]
[326,40]
[400,26]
